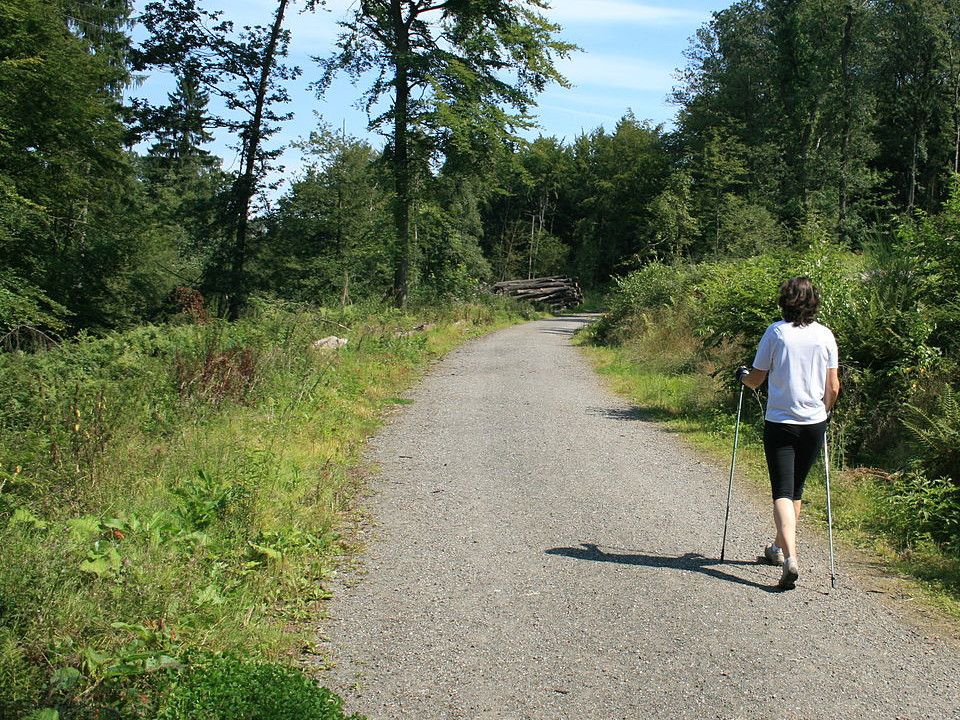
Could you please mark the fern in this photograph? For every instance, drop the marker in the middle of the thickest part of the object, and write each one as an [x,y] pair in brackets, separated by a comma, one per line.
[937,433]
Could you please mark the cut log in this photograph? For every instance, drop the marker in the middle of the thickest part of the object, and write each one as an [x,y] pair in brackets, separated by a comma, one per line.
[556,291]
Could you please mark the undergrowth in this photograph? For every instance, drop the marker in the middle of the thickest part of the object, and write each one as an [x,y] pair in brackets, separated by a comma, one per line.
[674,333]
[170,498]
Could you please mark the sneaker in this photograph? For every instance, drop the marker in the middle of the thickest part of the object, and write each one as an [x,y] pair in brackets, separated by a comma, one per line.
[774,557]
[791,572]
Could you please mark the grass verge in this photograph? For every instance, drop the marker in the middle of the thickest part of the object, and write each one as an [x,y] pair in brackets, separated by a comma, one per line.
[654,370]
[170,499]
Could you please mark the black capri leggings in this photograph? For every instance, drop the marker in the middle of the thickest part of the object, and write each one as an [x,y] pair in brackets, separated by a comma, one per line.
[791,451]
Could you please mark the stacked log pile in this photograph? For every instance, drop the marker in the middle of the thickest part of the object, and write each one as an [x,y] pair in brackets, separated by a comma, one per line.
[557,292]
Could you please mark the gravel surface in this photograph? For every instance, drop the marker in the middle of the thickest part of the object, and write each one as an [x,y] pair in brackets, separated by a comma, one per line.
[540,552]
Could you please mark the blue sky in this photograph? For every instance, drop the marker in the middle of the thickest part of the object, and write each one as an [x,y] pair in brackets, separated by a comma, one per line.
[630,52]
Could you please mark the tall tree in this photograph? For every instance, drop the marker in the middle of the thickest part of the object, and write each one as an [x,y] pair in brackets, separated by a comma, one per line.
[66,186]
[444,68]
[326,240]
[913,101]
[245,71]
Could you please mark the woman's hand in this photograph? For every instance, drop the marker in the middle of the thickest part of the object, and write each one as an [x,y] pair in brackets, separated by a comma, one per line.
[753,378]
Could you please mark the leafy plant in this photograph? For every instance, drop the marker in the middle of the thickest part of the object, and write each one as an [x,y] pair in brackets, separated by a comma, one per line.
[204,500]
[655,286]
[937,433]
[918,507]
[225,688]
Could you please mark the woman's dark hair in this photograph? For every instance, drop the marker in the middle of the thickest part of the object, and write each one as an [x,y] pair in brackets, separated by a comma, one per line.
[799,301]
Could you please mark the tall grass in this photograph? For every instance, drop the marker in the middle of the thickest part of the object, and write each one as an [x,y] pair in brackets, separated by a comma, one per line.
[175,492]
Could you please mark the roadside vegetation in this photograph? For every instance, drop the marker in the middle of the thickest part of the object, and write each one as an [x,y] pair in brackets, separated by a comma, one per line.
[675,332]
[171,499]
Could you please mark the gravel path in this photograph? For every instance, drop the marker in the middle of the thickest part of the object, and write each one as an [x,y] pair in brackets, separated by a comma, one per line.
[539,552]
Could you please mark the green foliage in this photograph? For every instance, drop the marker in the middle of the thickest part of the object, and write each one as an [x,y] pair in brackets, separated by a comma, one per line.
[25,305]
[22,680]
[656,286]
[143,519]
[450,265]
[225,687]
[739,300]
[674,224]
[917,508]
[70,236]
[329,240]
[747,229]
[937,434]
[204,500]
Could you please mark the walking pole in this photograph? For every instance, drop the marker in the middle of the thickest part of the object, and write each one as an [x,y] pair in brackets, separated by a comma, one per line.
[733,464]
[826,471]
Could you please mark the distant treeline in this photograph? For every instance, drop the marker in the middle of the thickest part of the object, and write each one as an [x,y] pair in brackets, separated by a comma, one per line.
[797,120]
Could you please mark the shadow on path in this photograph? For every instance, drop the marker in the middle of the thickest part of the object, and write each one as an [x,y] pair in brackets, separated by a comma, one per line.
[569,331]
[694,562]
[627,414]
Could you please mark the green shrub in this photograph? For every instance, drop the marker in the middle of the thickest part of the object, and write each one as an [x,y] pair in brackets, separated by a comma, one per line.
[655,286]
[24,304]
[918,508]
[228,688]
[936,432]
[738,301]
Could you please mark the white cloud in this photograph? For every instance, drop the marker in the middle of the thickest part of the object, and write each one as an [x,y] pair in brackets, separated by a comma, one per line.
[620,11]
[617,71]
[605,117]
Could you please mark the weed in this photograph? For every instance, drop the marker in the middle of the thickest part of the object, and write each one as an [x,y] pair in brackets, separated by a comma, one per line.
[217,375]
[223,688]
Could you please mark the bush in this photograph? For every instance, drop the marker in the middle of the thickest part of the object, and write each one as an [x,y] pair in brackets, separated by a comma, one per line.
[228,688]
[937,434]
[917,508]
[738,301]
[655,286]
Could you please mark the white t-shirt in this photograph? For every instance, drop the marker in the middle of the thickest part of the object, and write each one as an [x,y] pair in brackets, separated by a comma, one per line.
[797,359]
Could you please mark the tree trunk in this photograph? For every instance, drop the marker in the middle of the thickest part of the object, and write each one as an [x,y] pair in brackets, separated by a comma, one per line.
[843,189]
[912,192]
[401,161]
[956,122]
[246,185]
[530,249]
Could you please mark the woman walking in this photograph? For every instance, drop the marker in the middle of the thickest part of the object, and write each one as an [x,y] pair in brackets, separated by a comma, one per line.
[798,358]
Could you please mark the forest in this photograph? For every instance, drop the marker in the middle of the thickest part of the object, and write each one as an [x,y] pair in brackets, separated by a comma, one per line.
[815,136]
[794,120]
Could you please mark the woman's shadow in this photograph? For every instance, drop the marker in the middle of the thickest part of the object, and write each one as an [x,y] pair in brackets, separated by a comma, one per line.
[693,562]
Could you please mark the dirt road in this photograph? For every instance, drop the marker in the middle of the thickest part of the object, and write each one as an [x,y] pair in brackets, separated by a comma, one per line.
[540,552]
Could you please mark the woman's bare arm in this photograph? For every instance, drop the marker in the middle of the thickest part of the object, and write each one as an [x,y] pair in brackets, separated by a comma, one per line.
[832,389]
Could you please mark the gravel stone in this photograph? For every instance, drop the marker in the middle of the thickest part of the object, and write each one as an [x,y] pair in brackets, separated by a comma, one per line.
[541,552]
